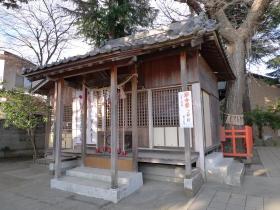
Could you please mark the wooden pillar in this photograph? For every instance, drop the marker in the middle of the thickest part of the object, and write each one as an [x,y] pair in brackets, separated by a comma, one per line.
[114,128]
[150,115]
[84,124]
[59,109]
[47,128]
[54,114]
[187,131]
[134,82]
[198,125]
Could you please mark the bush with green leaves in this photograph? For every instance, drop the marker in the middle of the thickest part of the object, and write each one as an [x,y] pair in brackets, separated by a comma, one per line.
[24,111]
[262,117]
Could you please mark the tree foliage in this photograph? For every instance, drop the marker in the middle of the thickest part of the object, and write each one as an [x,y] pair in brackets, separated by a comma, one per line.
[260,117]
[100,20]
[23,111]
[266,42]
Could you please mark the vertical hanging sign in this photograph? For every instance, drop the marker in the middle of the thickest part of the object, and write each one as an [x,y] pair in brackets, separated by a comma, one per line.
[185,109]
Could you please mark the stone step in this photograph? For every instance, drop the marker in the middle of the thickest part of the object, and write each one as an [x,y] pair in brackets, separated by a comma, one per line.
[236,174]
[223,170]
[95,186]
[100,174]
[86,187]
[214,158]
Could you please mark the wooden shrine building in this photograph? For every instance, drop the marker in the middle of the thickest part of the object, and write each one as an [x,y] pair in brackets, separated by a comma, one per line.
[118,105]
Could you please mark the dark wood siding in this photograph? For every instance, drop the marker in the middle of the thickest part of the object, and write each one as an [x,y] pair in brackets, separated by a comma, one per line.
[161,72]
[207,78]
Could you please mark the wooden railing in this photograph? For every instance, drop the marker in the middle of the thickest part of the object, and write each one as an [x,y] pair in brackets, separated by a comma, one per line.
[237,142]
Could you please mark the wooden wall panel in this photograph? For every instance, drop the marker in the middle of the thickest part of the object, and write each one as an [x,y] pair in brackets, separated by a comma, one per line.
[215,119]
[67,97]
[161,72]
[143,137]
[209,83]
[207,78]
[95,161]
[166,71]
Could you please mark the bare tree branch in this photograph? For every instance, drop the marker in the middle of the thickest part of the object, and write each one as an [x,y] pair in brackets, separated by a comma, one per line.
[40,26]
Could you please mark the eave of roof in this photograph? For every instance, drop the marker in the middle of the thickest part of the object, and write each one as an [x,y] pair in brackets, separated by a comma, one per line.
[198,25]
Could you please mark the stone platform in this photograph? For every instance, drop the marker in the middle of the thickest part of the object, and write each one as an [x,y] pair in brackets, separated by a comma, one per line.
[93,182]
[223,170]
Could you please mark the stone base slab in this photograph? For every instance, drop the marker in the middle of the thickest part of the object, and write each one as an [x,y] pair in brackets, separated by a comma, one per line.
[98,187]
[193,184]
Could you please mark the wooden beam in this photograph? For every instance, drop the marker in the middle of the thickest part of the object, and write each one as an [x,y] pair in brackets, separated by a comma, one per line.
[134,82]
[58,125]
[114,127]
[84,124]
[150,116]
[187,131]
[96,67]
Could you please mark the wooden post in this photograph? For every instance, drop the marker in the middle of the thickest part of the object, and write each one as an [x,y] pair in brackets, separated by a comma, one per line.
[114,130]
[84,124]
[103,116]
[47,128]
[59,85]
[150,115]
[198,125]
[54,114]
[134,82]
[187,132]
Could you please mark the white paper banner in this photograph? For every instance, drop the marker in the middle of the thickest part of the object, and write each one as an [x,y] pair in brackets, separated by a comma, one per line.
[92,117]
[77,117]
[185,109]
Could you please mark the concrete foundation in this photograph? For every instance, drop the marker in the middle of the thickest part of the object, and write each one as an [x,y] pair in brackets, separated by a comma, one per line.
[194,183]
[93,182]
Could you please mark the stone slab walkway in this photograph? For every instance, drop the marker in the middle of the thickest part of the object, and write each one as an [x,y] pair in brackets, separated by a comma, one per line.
[270,158]
[25,186]
[256,193]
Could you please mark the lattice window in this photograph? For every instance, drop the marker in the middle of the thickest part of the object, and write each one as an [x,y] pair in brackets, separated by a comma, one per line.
[165,107]
[67,117]
[142,108]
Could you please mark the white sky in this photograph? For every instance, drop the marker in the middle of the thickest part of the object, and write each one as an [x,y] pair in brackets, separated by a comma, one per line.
[79,46]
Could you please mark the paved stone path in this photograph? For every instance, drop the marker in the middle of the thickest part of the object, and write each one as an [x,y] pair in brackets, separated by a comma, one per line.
[256,193]
[24,186]
[223,200]
[270,157]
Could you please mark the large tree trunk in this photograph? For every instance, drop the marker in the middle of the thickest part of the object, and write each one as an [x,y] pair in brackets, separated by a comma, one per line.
[236,88]
[237,96]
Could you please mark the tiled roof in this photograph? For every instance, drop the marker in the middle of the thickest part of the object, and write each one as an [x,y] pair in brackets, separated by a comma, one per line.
[193,26]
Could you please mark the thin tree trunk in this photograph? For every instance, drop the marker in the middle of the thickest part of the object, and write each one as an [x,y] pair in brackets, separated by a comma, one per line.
[260,129]
[32,139]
